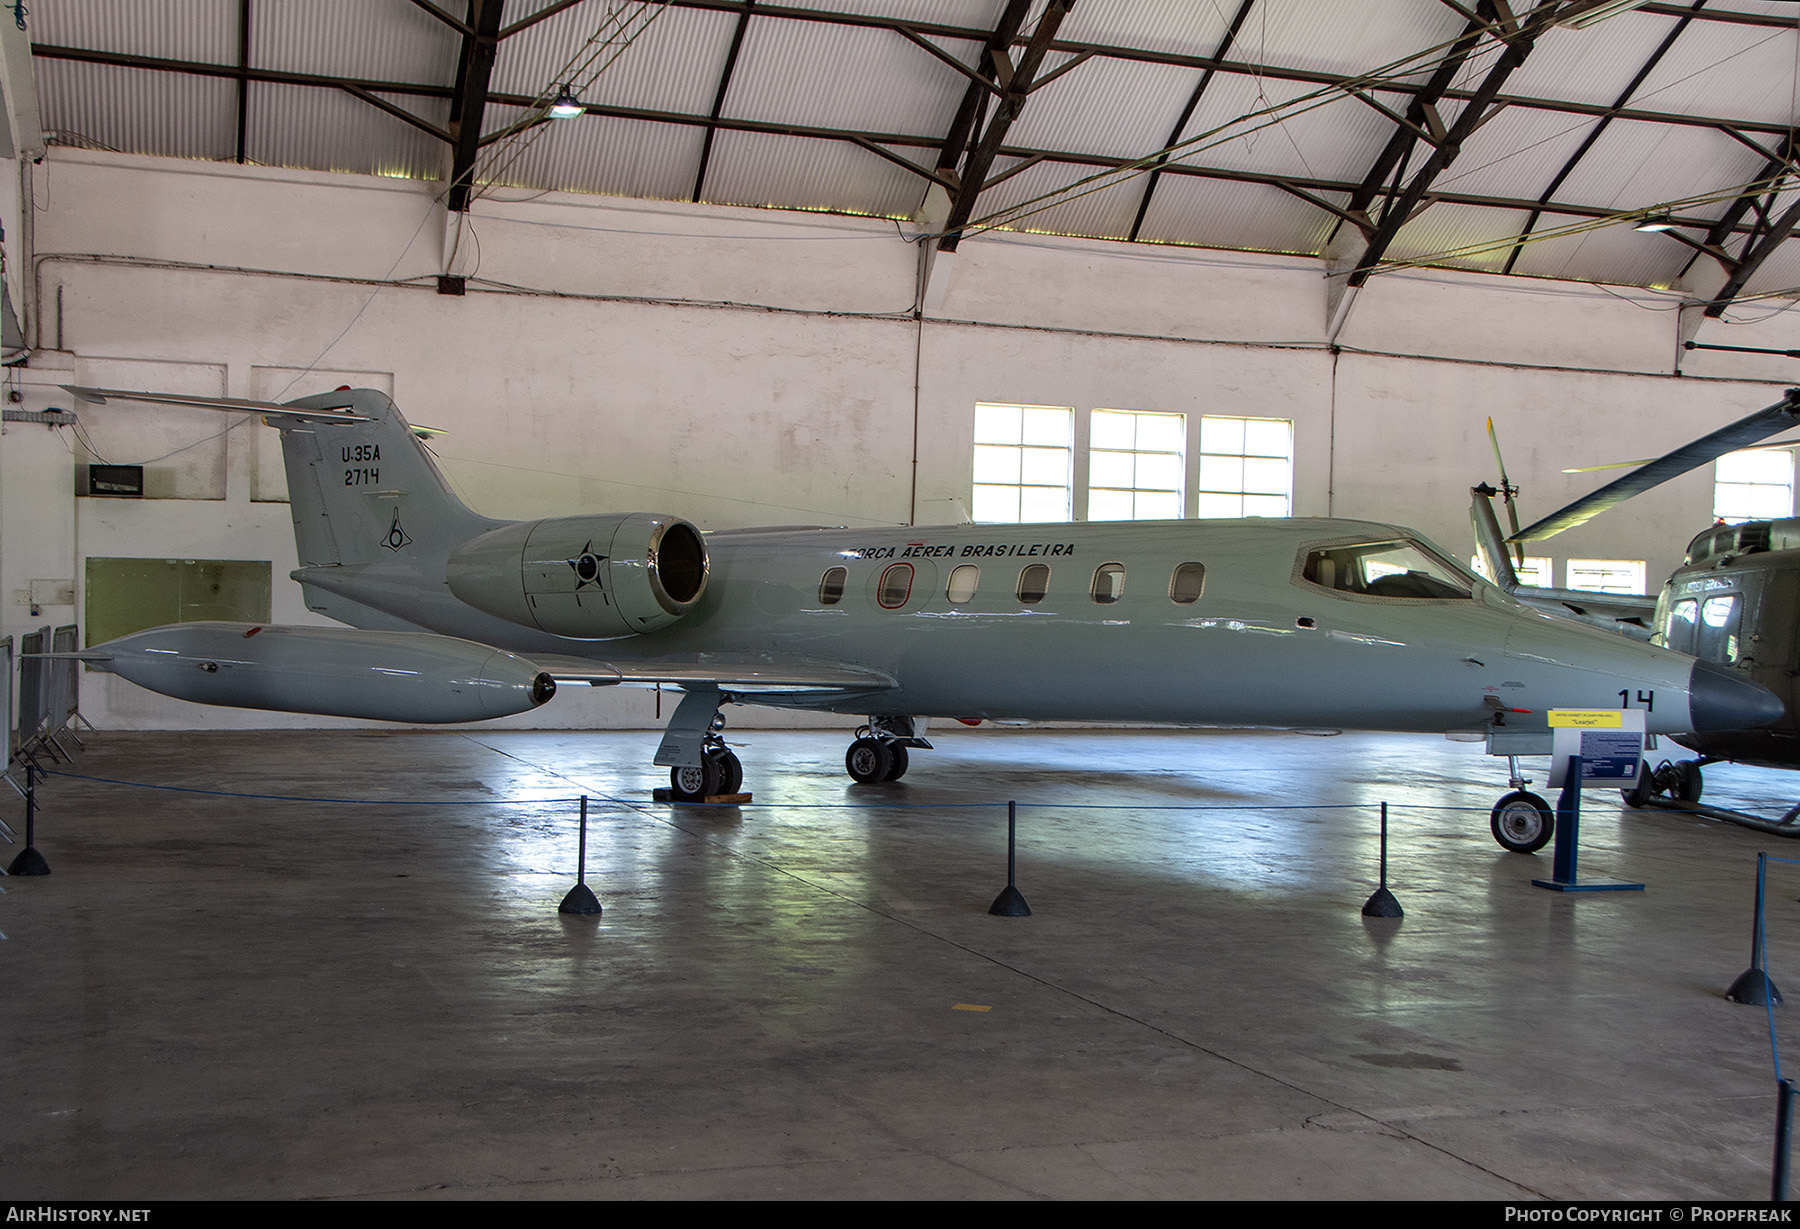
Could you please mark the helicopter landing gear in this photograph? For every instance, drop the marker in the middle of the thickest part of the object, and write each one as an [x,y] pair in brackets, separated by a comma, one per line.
[1680,780]
[879,752]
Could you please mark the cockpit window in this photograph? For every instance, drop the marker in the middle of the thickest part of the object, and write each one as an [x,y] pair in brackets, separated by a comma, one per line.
[1384,569]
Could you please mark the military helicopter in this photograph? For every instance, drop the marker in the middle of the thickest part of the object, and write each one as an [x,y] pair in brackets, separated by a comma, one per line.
[1734,601]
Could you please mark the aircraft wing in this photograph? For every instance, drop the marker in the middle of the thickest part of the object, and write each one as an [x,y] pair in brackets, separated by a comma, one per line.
[762,677]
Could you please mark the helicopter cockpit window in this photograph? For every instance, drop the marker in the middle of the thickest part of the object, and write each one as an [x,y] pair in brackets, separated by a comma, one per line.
[1385,569]
[1718,639]
[1684,617]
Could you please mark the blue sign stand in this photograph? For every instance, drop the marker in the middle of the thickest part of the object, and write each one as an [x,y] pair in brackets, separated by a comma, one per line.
[1568,825]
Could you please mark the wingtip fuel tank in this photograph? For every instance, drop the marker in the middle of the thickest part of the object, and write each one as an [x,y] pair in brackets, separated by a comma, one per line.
[336,672]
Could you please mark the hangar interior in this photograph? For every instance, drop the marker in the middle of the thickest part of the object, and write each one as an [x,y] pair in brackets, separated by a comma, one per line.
[767,274]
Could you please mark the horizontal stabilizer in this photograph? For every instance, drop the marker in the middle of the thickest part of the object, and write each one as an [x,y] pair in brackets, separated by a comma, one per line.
[1781,416]
[269,409]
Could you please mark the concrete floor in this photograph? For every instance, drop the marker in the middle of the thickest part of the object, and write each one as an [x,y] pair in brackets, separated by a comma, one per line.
[227,997]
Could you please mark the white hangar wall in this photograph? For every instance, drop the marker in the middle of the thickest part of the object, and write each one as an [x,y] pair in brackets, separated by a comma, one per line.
[744,367]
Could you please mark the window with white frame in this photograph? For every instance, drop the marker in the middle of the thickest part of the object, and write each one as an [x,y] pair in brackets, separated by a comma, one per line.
[1023,462]
[1246,467]
[1136,465]
[1606,575]
[1755,485]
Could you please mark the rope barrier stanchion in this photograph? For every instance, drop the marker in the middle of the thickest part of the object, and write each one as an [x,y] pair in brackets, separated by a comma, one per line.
[1382,903]
[1753,986]
[1011,902]
[30,861]
[581,899]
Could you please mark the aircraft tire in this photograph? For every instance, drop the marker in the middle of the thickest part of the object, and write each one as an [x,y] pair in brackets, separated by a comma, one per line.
[1639,795]
[731,771]
[900,760]
[695,784]
[868,761]
[1689,781]
[1522,822]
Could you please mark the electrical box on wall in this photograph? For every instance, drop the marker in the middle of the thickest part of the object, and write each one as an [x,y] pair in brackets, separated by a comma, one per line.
[124,480]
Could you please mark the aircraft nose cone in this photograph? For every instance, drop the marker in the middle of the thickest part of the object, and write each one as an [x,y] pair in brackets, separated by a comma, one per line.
[1720,698]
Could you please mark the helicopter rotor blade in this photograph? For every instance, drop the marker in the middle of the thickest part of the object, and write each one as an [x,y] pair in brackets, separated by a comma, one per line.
[1771,446]
[1507,491]
[1751,429]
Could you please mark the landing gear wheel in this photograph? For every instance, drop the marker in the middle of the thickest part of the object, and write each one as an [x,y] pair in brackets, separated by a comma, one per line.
[898,768]
[695,784]
[1638,796]
[731,771]
[1522,822]
[1688,781]
[869,761]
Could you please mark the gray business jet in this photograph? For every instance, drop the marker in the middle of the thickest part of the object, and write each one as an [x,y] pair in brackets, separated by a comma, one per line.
[1304,623]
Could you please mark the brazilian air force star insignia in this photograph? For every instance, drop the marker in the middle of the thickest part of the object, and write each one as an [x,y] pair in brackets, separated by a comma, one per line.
[586,567]
[395,537]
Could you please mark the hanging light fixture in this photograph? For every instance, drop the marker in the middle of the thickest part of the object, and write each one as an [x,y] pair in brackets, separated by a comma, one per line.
[566,106]
[1655,223]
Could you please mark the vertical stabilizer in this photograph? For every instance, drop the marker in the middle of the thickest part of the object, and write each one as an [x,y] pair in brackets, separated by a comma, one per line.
[368,493]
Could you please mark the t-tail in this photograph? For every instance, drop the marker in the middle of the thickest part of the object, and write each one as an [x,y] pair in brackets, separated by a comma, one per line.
[364,490]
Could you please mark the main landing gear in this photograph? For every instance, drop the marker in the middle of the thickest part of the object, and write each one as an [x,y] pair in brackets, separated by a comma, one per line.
[1680,780]
[879,752]
[719,771]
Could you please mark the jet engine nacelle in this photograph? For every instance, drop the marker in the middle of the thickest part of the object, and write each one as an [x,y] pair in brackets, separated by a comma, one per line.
[335,672]
[587,577]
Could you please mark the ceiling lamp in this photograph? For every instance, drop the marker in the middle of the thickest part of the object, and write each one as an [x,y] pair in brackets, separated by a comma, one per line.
[1655,223]
[566,106]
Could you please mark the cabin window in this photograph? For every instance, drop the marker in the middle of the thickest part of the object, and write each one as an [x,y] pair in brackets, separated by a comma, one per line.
[1034,582]
[1718,640]
[1109,583]
[1187,582]
[895,586]
[831,586]
[1385,569]
[963,580]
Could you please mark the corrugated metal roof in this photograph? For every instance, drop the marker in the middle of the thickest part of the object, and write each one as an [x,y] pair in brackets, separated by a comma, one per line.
[812,84]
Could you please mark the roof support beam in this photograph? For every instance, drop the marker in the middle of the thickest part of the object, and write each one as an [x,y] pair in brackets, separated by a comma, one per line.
[1187,113]
[718,106]
[1766,235]
[1593,135]
[1017,80]
[243,85]
[1518,38]
[470,100]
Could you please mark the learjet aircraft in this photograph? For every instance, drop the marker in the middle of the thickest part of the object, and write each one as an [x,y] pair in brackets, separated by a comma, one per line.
[1292,623]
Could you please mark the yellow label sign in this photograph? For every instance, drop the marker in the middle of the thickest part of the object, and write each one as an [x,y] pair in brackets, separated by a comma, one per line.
[1587,719]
